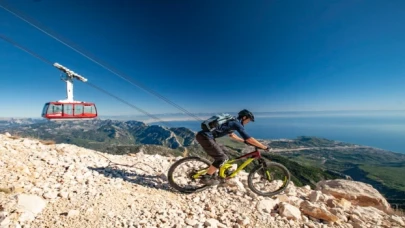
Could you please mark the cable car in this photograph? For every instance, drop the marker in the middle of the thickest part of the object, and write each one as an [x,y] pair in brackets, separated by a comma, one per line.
[69,109]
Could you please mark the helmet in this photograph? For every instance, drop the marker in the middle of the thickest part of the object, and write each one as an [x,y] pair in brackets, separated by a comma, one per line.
[246,113]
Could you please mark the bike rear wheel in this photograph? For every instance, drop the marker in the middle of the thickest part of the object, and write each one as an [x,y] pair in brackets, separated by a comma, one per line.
[188,169]
[272,173]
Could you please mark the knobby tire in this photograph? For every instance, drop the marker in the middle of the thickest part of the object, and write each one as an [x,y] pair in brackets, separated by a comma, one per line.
[254,170]
[173,168]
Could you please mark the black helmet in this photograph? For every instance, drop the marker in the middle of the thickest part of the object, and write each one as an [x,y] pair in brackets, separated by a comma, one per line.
[246,113]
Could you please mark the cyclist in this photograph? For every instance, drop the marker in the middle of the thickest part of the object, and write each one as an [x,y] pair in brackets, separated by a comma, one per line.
[217,151]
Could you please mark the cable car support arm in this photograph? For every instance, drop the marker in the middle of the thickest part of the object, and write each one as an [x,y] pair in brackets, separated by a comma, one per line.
[69,75]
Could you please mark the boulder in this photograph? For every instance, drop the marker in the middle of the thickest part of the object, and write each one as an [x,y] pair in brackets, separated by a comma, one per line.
[358,193]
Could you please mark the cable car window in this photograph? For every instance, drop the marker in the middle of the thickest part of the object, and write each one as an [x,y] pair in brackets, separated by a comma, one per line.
[78,109]
[68,109]
[89,109]
[55,109]
[44,111]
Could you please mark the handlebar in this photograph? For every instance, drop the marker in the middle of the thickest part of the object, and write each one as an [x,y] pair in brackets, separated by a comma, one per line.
[256,148]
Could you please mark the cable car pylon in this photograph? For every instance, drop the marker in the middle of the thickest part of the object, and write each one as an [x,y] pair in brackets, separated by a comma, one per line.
[69,109]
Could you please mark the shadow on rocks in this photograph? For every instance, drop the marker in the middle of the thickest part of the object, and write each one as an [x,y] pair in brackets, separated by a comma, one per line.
[151,181]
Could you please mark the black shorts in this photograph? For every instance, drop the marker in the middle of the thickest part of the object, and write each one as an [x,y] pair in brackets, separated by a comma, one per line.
[213,149]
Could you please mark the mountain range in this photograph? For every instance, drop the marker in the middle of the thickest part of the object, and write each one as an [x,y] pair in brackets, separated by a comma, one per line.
[101,133]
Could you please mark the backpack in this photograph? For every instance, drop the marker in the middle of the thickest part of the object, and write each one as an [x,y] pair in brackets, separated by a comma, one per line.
[215,121]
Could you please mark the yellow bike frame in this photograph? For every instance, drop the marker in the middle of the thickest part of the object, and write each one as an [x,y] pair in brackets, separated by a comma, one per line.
[250,157]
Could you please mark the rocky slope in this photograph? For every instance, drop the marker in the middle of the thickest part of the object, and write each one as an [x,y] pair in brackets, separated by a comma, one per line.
[61,185]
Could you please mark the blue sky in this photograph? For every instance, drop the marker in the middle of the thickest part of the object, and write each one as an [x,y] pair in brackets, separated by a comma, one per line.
[209,56]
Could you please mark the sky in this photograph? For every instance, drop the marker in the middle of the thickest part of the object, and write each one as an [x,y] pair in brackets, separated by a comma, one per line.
[207,56]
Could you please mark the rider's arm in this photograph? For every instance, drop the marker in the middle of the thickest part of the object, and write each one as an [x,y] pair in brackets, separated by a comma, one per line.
[254,142]
[235,137]
[248,138]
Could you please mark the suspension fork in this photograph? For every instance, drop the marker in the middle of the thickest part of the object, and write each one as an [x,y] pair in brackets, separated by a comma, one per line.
[265,172]
[262,162]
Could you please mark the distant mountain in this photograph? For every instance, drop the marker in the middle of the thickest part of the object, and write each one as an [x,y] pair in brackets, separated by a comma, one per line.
[99,134]
[6,123]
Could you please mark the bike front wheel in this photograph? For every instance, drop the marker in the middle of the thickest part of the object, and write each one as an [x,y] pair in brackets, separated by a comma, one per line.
[269,179]
[184,175]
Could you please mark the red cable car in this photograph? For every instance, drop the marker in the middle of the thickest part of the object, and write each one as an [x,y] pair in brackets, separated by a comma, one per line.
[69,109]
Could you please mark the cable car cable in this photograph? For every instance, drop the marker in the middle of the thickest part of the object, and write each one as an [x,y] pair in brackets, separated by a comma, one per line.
[25,49]
[88,83]
[126,78]
[125,102]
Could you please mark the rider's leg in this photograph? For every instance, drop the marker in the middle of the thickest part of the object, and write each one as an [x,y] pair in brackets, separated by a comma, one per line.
[219,156]
[211,170]
[208,178]
[215,151]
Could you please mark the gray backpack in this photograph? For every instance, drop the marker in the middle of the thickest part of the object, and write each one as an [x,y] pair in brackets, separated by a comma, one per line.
[215,121]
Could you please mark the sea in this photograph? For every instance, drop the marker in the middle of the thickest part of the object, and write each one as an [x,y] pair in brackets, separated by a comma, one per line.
[380,131]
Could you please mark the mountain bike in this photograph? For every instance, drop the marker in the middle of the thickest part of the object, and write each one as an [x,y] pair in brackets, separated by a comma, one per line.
[268,173]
